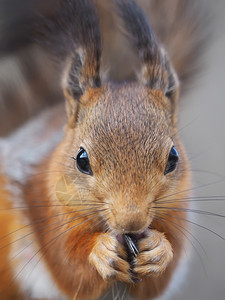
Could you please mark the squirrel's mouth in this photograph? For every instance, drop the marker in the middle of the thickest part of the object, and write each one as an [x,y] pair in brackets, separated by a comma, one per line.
[130,242]
[134,236]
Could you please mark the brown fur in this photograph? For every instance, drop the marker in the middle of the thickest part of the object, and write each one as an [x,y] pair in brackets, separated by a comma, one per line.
[8,223]
[127,130]
[120,193]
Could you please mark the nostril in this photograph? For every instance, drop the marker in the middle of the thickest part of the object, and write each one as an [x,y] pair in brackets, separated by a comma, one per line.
[129,219]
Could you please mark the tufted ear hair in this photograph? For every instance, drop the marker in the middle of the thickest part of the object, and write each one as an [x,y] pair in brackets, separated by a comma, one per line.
[71,32]
[82,70]
[156,70]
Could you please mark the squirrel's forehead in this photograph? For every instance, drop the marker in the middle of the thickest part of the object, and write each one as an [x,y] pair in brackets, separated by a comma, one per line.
[125,103]
[132,93]
[131,126]
[126,114]
[134,113]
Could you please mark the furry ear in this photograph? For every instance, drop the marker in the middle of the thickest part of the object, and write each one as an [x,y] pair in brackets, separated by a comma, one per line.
[71,32]
[83,66]
[156,70]
[81,73]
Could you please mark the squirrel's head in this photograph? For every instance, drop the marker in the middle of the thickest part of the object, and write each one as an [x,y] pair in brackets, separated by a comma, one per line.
[121,140]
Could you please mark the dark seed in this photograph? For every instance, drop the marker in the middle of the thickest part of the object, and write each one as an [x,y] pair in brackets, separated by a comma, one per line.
[132,247]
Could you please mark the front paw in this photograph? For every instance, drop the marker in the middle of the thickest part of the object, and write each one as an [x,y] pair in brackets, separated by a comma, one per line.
[155,254]
[108,256]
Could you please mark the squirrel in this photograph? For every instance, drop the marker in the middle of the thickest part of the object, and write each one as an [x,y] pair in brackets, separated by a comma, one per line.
[99,197]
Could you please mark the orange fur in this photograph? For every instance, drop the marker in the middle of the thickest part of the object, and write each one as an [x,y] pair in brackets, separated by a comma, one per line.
[76,252]
[8,224]
[79,220]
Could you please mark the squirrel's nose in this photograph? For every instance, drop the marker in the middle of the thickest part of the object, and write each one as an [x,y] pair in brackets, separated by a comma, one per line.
[131,222]
[132,226]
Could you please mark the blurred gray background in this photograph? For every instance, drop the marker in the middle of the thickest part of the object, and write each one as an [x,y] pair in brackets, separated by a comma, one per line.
[202,123]
[204,139]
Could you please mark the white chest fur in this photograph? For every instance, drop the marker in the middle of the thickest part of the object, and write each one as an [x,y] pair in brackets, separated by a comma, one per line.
[31,273]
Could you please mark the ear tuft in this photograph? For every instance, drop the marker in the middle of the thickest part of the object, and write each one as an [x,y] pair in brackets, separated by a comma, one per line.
[156,70]
[72,83]
[82,69]
[172,89]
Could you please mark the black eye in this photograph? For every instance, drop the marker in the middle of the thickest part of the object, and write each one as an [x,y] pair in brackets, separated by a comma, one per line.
[83,163]
[172,161]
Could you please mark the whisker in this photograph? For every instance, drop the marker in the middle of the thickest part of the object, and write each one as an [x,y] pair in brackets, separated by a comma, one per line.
[53,229]
[80,236]
[197,155]
[39,221]
[180,228]
[48,205]
[92,229]
[196,199]
[208,172]
[199,225]
[191,189]
[185,229]
[185,126]
[197,211]
[49,243]
[124,292]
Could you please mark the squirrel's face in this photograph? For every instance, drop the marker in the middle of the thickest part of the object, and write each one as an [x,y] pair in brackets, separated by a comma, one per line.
[122,145]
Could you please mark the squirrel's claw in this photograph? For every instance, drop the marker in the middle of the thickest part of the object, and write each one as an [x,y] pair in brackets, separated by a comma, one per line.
[108,256]
[155,254]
